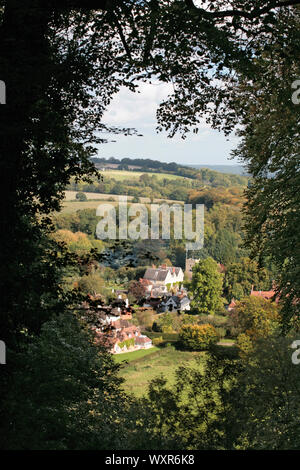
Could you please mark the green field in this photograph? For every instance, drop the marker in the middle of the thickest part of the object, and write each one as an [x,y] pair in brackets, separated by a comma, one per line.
[139,372]
[122,175]
[132,356]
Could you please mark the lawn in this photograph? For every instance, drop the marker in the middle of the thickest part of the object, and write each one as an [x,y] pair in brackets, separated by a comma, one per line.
[139,372]
[132,356]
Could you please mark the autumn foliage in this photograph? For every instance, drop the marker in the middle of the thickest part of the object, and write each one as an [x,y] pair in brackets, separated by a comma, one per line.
[198,337]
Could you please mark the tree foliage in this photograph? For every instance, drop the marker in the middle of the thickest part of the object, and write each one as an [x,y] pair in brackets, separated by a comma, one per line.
[225,403]
[206,287]
[241,276]
[198,337]
[255,317]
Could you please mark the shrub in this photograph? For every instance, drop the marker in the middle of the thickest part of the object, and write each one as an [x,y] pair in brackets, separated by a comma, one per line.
[145,317]
[157,341]
[221,332]
[81,197]
[152,334]
[170,336]
[244,345]
[128,343]
[213,320]
[198,337]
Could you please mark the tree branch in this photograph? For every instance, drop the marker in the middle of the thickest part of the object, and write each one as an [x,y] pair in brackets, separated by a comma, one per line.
[84,4]
[255,13]
[154,9]
[120,31]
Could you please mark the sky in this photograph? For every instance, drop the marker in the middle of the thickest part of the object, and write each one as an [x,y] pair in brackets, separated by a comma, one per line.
[137,110]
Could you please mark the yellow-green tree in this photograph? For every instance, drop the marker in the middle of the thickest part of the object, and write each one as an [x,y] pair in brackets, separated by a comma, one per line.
[198,337]
[254,318]
[206,287]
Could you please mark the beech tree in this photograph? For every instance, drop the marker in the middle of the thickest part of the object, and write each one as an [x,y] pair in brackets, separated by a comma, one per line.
[270,148]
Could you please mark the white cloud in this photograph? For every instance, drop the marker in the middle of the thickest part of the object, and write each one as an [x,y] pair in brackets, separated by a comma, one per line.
[131,109]
[138,110]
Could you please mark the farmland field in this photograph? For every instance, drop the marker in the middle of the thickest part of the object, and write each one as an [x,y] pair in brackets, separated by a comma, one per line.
[70,203]
[140,372]
[123,175]
[70,206]
[71,196]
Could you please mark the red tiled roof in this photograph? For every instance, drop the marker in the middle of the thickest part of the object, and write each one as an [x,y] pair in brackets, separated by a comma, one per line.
[142,340]
[265,294]
[222,267]
[232,304]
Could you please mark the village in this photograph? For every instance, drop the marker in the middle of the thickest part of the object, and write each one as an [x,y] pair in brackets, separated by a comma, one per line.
[164,292]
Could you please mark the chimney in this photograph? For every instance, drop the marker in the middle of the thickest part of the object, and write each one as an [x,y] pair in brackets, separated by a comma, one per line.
[173,270]
[163,266]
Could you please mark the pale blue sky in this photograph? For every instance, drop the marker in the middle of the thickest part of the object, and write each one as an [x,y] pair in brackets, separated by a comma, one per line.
[128,109]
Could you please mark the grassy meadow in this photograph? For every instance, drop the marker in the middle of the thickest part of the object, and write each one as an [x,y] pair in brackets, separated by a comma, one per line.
[134,355]
[123,175]
[139,371]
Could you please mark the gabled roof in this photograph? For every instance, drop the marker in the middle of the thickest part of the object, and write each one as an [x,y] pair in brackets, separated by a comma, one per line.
[174,270]
[156,274]
[184,301]
[160,274]
[178,301]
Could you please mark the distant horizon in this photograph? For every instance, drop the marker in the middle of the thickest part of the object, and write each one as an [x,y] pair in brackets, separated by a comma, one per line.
[165,161]
[170,161]
[233,168]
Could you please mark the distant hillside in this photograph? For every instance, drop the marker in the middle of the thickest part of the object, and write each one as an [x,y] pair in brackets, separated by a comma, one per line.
[228,169]
[142,178]
[187,170]
[145,164]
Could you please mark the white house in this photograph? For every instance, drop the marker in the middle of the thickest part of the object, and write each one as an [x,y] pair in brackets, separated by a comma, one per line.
[164,276]
[176,303]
